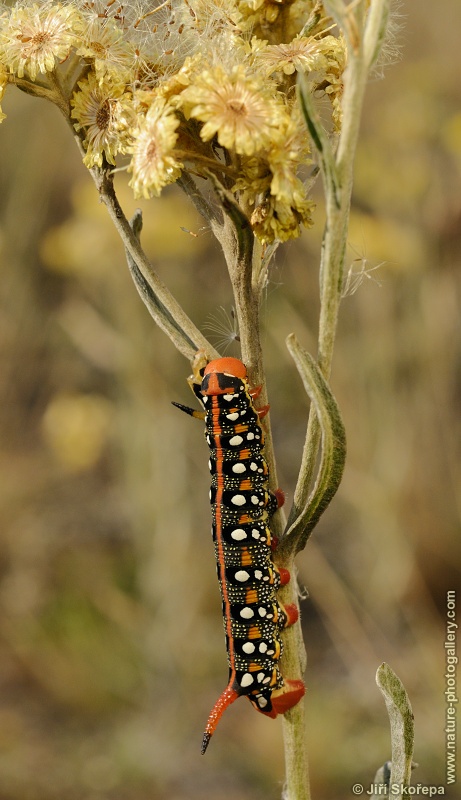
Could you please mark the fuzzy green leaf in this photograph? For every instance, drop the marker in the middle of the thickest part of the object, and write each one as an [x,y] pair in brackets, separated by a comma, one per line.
[402,727]
[333,453]
[381,782]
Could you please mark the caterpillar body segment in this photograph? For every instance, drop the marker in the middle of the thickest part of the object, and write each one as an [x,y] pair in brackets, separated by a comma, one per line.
[241,508]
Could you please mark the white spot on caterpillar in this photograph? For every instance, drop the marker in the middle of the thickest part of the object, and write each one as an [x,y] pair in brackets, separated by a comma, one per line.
[239,468]
[238,500]
[250,435]
[258,575]
[254,467]
[267,680]
[262,702]
[242,575]
[246,679]
[262,647]
[233,416]
[248,648]
[235,441]
[255,533]
[228,397]
[260,677]
[247,613]
[239,534]
[262,611]
[255,500]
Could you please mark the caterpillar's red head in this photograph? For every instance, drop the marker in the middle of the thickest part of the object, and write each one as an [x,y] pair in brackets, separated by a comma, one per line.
[227,365]
[222,375]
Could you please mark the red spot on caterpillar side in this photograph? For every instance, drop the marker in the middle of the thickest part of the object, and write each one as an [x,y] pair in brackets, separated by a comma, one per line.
[280,497]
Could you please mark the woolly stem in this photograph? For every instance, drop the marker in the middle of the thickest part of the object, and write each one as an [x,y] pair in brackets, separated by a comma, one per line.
[364,38]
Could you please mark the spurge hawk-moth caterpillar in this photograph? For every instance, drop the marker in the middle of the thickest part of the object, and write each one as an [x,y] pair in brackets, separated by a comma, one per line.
[241,507]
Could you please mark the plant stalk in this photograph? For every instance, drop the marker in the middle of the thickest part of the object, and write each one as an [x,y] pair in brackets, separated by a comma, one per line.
[337,174]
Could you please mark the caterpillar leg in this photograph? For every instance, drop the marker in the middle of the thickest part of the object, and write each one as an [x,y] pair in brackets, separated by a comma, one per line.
[288,696]
[284,576]
[292,613]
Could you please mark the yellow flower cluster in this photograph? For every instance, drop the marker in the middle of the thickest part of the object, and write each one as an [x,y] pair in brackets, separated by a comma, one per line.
[3,85]
[179,85]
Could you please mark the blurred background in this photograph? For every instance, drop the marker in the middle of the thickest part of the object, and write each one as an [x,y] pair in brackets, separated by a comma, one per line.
[111,643]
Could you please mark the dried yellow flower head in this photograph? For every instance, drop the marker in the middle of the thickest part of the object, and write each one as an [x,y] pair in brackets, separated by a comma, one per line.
[3,85]
[154,164]
[102,110]
[239,109]
[193,85]
[36,38]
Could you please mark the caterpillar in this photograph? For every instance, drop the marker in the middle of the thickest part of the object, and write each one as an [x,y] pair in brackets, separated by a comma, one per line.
[241,507]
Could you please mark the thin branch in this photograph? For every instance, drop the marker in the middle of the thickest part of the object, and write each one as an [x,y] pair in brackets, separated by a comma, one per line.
[156,309]
[41,90]
[167,309]
[243,255]
[205,209]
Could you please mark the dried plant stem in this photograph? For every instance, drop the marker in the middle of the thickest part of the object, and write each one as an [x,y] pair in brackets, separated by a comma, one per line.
[364,37]
[337,175]
[166,311]
[244,258]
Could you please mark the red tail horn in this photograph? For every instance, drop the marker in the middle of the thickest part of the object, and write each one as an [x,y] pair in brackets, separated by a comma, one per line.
[224,700]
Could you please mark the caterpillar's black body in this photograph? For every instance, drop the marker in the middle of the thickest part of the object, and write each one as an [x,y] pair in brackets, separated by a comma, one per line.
[241,506]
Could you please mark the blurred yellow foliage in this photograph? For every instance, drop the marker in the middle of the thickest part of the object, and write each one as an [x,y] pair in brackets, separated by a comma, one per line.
[451,134]
[385,241]
[84,243]
[76,428]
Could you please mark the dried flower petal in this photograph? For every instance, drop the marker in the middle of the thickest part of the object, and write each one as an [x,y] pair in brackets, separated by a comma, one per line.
[303,54]
[154,164]
[238,108]
[3,85]
[103,111]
